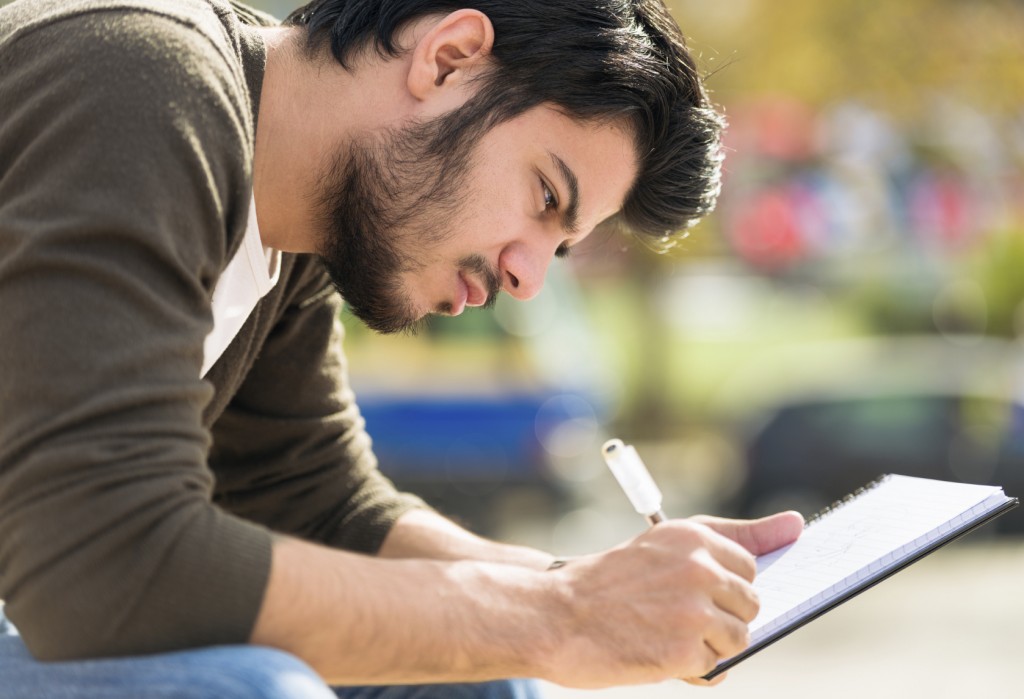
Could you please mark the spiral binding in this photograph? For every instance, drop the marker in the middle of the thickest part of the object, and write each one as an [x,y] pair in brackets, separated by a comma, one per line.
[829,509]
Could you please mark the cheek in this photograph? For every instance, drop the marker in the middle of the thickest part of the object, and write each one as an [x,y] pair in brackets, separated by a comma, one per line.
[493,200]
[480,228]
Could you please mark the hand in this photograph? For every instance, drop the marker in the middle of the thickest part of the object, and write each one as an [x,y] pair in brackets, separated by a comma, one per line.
[671,603]
[759,536]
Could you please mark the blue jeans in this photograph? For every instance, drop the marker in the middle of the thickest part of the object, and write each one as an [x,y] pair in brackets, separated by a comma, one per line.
[223,672]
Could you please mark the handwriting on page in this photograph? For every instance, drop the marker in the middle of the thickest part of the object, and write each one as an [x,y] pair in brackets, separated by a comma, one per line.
[856,540]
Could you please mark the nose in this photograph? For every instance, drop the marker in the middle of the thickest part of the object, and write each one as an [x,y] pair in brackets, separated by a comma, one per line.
[523,269]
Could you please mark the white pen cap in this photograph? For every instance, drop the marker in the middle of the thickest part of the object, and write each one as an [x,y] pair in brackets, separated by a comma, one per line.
[632,476]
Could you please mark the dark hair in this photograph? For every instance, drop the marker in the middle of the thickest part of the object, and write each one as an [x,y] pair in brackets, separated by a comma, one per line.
[594,60]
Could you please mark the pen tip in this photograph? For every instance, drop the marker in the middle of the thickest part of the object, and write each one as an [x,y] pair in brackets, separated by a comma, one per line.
[611,445]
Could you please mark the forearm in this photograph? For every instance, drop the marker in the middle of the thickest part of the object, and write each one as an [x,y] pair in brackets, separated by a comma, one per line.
[426,534]
[594,623]
[363,620]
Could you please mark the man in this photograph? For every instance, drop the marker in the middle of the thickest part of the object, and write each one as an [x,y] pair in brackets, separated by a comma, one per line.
[185,482]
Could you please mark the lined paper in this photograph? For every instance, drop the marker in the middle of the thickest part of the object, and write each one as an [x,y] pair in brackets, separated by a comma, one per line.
[876,532]
[860,540]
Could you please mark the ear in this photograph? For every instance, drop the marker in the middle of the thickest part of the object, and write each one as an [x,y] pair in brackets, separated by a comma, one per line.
[449,51]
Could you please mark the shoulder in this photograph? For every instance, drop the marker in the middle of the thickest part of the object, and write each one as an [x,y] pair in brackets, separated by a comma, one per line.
[133,115]
[154,46]
[24,17]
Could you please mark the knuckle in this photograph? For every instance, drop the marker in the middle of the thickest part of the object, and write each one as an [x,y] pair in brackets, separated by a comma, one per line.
[739,638]
[689,532]
[705,618]
[755,606]
[749,567]
[702,569]
[730,638]
[747,603]
[690,657]
[695,616]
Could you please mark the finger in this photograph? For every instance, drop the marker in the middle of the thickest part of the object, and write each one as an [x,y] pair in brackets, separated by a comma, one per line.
[758,536]
[698,679]
[708,662]
[737,597]
[701,682]
[731,556]
[726,635]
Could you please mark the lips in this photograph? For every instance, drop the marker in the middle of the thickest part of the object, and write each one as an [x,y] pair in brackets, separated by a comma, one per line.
[462,293]
[475,294]
[468,292]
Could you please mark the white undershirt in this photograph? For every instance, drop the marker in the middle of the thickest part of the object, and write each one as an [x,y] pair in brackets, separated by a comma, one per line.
[251,273]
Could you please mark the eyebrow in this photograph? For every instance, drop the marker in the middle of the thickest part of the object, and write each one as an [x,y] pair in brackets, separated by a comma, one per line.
[570,214]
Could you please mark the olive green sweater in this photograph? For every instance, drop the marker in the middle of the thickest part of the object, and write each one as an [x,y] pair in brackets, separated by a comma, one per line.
[136,499]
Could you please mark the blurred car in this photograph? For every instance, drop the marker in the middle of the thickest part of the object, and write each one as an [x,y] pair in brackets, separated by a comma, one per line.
[467,453]
[916,406]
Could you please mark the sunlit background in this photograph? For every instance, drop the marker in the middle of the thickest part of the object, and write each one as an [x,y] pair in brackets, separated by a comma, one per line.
[855,306]
[852,308]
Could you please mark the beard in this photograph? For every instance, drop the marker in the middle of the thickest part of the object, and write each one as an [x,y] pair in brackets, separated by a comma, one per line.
[385,204]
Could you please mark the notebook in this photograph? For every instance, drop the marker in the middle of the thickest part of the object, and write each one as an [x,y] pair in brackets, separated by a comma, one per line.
[858,542]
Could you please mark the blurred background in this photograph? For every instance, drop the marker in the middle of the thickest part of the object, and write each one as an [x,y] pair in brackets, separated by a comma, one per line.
[855,306]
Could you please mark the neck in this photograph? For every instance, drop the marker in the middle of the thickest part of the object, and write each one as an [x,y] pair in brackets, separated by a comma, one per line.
[310,108]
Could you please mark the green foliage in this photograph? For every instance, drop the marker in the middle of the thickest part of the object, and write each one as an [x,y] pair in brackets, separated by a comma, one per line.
[892,53]
[999,268]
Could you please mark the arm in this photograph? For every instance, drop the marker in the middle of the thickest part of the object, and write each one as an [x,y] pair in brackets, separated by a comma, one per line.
[290,450]
[438,603]
[670,603]
[426,534]
[115,211]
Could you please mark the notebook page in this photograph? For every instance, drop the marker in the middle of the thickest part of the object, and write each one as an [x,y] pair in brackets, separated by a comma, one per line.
[863,536]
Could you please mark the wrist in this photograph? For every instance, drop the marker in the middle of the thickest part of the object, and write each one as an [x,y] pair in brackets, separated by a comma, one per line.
[556,619]
[527,610]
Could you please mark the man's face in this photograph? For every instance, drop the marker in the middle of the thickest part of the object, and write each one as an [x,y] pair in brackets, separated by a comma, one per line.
[410,231]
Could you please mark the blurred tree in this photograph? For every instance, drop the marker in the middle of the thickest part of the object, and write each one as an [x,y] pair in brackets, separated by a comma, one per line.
[997,265]
[891,53]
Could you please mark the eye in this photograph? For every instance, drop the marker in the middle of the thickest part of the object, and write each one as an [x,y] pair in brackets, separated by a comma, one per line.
[563,251]
[550,200]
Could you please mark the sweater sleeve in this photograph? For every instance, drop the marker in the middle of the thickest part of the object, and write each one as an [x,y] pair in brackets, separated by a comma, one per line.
[291,450]
[123,138]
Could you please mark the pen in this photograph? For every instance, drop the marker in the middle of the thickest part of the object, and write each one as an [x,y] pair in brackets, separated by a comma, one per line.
[634,479]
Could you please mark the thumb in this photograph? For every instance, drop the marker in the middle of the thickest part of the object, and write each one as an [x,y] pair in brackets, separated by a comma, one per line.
[701,682]
[758,536]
